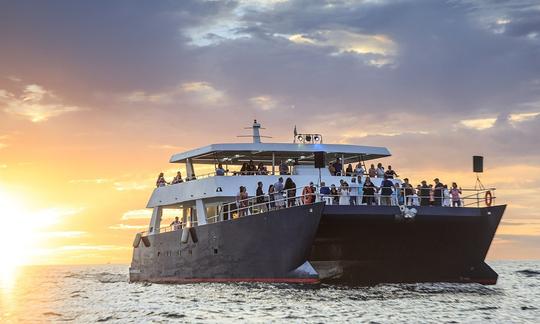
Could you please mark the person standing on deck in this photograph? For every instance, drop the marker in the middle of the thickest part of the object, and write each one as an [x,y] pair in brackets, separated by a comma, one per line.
[339,167]
[344,193]
[160,182]
[455,193]
[438,192]
[353,192]
[271,197]
[446,196]
[349,171]
[176,224]
[391,174]
[290,188]
[386,191]
[260,196]
[219,170]
[380,171]
[242,202]
[177,178]
[368,192]
[407,191]
[334,194]
[331,169]
[278,193]
[324,191]
[372,172]
[424,194]
[359,170]
[283,168]
[308,194]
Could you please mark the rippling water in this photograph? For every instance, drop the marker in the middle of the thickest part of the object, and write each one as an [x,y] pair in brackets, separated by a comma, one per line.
[102,293]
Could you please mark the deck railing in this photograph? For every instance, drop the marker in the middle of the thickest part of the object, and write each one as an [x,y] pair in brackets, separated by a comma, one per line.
[289,198]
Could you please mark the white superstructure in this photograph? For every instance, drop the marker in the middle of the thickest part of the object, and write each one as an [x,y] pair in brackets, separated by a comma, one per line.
[202,196]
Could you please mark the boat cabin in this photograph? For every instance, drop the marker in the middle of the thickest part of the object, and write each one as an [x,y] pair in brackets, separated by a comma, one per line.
[200,197]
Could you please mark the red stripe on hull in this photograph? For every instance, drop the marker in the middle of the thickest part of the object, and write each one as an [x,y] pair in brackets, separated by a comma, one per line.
[225,280]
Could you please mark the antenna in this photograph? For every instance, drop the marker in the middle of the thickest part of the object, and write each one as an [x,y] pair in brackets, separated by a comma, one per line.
[256,133]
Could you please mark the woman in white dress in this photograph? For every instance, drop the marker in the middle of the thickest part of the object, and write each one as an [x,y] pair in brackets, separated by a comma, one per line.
[344,194]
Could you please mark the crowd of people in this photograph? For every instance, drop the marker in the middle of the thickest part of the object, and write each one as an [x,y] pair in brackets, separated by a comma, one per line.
[283,194]
[360,191]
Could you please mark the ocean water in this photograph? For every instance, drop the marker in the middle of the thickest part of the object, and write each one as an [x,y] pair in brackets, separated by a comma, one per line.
[103,294]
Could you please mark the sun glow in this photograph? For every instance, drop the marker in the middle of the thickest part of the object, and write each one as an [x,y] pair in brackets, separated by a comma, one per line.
[20,234]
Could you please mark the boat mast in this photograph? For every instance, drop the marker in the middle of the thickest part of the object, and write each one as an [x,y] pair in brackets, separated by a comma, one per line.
[256,134]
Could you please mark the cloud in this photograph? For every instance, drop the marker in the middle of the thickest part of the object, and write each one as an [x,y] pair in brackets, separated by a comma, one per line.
[479,124]
[92,181]
[131,185]
[147,213]
[194,92]
[3,144]
[90,247]
[127,227]
[378,49]
[62,234]
[34,103]
[264,103]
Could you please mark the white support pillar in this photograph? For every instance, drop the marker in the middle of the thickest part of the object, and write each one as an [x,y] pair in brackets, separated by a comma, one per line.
[273,163]
[201,212]
[189,169]
[155,221]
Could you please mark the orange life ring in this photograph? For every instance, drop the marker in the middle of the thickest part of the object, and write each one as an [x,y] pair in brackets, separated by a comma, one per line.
[488,198]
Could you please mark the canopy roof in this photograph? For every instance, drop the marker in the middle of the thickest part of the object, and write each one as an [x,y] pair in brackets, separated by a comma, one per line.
[237,153]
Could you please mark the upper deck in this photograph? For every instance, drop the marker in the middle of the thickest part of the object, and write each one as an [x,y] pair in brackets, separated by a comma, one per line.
[237,153]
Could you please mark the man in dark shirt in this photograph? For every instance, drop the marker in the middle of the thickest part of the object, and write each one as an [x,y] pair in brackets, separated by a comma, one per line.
[407,191]
[260,195]
[386,191]
[438,192]
[338,166]
[424,194]
[390,173]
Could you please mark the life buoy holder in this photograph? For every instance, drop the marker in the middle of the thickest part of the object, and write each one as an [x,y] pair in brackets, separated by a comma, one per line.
[488,198]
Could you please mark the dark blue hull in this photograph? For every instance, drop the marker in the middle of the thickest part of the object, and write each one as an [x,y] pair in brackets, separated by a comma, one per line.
[267,247]
[374,244]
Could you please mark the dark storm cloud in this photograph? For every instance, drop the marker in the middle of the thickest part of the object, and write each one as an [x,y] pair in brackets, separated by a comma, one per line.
[113,45]
[450,61]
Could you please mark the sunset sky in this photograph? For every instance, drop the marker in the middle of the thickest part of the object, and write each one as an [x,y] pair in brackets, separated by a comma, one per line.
[95,96]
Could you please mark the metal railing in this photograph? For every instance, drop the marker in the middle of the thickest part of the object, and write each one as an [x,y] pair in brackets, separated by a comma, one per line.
[288,198]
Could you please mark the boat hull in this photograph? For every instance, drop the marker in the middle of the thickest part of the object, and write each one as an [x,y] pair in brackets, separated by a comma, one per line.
[267,247]
[375,244]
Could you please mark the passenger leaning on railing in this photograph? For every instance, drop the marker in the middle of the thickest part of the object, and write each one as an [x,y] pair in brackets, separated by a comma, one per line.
[425,192]
[177,178]
[220,171]
[290,187]
[160,182]
[242,202]
[368,192]
[283,168]
[176,224]
[359,170]
[261,169]
[372,172]
[260,197]
[334,194]
[278,193]
[271,197]
[438,192]
[386,191]
[408,191]
[380,170]
[308,194]
[455,193]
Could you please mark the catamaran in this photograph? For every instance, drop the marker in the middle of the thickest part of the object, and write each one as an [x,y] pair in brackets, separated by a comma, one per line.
[283,237]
